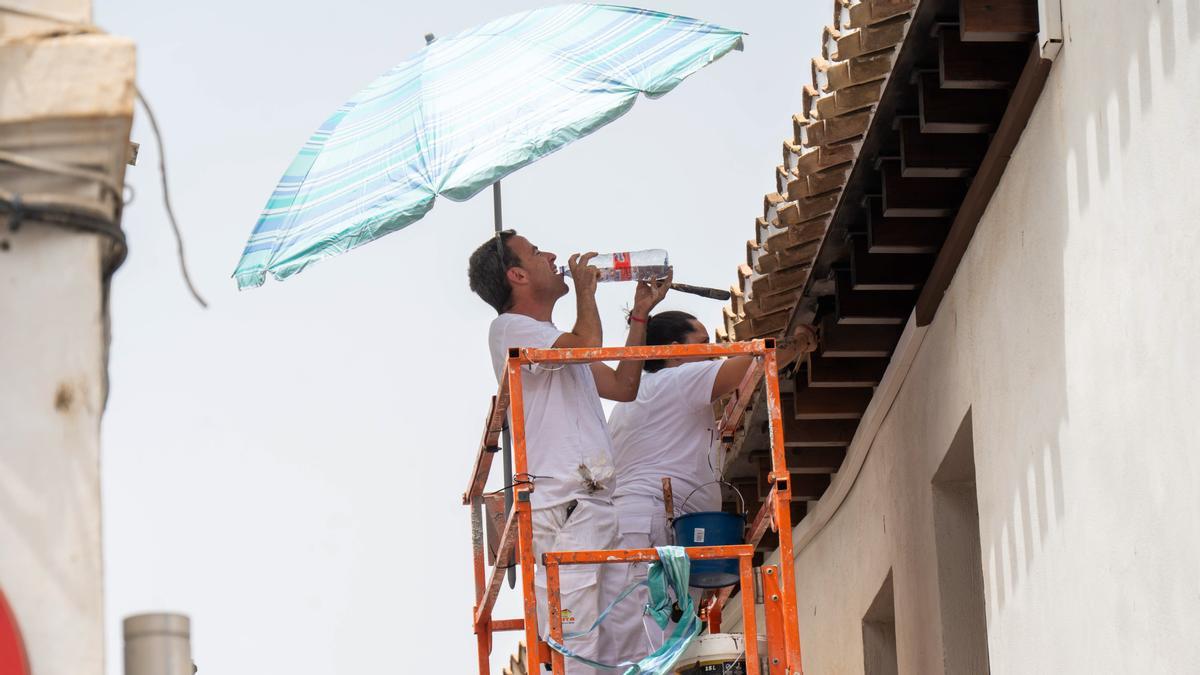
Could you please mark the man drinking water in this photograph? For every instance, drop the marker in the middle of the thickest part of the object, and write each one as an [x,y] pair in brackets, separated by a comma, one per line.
[569,450]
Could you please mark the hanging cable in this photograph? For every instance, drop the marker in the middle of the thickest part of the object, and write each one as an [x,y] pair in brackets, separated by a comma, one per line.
[162,170]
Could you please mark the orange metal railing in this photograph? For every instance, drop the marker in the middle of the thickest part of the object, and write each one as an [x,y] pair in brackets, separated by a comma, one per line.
[516,537]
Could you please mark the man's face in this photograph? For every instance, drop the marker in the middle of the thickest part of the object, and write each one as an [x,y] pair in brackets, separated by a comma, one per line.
[538,270]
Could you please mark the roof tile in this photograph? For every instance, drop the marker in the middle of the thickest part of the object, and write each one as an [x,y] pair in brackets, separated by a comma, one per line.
[857,54]
[869,12]
[875,37]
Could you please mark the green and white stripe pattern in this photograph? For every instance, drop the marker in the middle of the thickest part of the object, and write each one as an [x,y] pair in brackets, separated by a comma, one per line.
[463,113]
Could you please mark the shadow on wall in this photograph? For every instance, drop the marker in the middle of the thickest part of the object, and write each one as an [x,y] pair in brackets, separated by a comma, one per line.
[1136,42]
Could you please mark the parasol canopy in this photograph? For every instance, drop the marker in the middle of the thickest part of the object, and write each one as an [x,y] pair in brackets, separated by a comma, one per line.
[462,113]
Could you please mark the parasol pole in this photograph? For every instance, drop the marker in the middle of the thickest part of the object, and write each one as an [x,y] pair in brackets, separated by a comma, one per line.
[506,438]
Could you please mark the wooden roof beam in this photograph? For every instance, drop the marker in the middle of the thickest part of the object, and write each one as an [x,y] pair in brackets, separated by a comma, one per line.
[902,235]
[930,155]
[886,271]
[816,433]
[856,307]
[807,460]
[957,111]
[919,197]
[977,65]
[998,20]
[828,403]
[823,372]
[840,340]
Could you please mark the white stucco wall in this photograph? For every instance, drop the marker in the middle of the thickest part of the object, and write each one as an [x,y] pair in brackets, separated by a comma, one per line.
[52,366]
[66,98]
[1069,335]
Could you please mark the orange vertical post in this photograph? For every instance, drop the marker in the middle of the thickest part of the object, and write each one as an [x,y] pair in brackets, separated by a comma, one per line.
[521,501]
[554,613]
[749,616]
[483,630]
[773,611]
[713,614]
[781,478]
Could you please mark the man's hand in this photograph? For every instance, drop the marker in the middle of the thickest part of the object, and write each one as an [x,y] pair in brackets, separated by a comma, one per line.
[648,294]
[800,342]
[804,340]
[584,275]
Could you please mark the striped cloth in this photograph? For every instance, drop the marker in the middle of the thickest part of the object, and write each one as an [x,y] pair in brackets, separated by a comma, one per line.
[463,113]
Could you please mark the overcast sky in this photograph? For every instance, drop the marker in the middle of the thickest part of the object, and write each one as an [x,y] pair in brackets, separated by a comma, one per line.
[286,467]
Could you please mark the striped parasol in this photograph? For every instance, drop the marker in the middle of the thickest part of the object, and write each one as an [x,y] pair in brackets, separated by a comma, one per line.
[461,114]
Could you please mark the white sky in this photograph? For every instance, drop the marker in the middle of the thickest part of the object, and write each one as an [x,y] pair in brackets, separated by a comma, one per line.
[286,467]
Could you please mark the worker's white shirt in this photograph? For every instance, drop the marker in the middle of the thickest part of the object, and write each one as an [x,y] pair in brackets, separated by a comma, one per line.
[669,431]
[565,433]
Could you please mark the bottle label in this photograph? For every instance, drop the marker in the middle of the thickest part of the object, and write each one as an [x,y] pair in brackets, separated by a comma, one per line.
[622,266]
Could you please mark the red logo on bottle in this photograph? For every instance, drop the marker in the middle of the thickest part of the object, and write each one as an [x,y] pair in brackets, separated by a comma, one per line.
[622,266]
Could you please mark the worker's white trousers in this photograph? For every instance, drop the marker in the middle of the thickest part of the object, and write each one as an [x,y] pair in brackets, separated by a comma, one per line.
[586,589]
[643,524]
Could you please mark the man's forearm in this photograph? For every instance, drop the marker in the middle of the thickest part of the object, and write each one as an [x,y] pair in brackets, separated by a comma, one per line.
[587,320]
[789,349]
[629,373]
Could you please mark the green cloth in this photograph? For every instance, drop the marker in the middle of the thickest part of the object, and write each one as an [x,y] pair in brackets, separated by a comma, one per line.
[670,571]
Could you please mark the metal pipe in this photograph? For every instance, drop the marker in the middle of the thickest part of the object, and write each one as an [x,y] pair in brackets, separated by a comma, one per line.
[498,221]
[639,353]
[158,644]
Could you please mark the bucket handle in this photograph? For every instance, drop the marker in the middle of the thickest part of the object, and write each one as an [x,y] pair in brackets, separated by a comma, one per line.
[723,482]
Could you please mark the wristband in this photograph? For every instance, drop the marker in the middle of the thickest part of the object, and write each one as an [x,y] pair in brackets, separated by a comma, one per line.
[634,318]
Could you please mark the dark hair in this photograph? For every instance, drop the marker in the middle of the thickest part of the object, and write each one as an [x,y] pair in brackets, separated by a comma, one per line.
[663,329]
[487,270]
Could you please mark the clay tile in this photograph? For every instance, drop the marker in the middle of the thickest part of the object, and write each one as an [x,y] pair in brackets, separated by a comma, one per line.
[829,38]
[817,67]
[870,12]
[808,98]
[799,121]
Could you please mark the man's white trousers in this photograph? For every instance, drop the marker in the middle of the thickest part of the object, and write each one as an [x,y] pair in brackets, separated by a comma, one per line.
[586,589]
[643,524]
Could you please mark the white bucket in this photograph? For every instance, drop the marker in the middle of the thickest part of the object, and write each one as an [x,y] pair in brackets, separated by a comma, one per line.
[717,654]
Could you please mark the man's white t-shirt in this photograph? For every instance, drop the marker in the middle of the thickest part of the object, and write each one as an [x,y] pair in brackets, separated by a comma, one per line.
[567,444]
[669,431]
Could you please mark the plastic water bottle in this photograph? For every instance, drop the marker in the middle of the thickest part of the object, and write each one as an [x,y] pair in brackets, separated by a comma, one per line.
[647,265]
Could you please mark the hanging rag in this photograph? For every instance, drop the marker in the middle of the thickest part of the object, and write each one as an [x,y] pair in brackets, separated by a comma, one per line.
[671,571]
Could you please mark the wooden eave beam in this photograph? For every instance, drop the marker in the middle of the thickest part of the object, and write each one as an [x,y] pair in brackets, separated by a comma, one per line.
[1016,117]
[869,307]
[902,235]
[998,20]
[957,111]
[823,372]
[886,271]
[839,340]
[977,65]
[805,460]
[919,197]
[829,403]
[933,155]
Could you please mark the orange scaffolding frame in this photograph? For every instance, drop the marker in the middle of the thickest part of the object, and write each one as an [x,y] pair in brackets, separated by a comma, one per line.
[778,581]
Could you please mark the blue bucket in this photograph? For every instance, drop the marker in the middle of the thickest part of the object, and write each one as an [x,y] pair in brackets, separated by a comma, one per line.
[711,528]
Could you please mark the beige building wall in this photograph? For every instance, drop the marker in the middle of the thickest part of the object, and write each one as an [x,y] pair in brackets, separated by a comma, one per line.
[1066,351]
[65,98]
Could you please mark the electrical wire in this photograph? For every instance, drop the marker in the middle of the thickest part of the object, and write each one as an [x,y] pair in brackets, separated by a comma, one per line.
[14,205]
[162,170]
[521,481]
